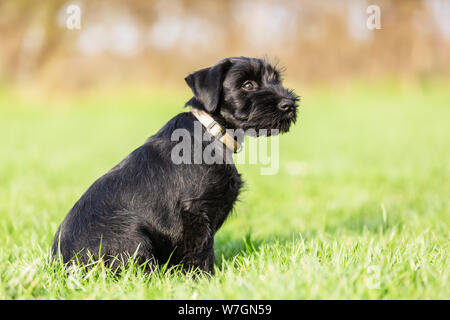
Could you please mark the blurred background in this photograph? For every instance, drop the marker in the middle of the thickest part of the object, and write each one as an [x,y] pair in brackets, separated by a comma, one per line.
[155,42]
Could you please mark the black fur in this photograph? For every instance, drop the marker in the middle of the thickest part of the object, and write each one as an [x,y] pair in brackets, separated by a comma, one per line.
[149,206]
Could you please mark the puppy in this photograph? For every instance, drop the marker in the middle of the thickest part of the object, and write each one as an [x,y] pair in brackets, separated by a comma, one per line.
[161,211]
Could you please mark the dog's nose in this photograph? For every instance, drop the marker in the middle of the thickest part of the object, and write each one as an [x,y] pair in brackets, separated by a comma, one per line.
[286,105]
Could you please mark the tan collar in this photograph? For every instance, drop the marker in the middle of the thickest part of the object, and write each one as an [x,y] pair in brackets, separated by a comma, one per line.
[216,130]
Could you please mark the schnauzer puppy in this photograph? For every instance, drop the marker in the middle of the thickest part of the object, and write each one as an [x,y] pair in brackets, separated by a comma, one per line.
[160,211]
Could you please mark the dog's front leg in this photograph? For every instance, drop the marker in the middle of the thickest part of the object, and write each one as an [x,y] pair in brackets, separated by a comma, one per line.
[198,241]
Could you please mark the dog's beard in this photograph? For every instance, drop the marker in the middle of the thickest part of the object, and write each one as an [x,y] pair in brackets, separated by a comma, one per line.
[268,120]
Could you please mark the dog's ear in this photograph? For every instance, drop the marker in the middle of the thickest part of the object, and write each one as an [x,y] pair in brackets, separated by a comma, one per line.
[206,84]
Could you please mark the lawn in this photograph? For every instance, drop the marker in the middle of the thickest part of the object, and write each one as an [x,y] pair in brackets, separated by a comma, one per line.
[359,208]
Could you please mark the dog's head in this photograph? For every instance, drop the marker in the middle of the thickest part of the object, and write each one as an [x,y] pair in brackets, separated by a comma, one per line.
[244,93]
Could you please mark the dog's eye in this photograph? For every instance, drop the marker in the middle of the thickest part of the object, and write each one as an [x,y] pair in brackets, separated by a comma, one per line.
[249,85]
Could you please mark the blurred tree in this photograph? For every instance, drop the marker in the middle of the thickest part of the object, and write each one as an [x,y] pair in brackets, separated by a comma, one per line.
[141,40]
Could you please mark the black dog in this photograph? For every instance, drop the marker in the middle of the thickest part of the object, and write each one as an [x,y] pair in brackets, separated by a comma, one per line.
[158,210]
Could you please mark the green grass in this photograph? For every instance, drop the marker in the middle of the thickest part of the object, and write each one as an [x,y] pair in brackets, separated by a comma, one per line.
[358,210]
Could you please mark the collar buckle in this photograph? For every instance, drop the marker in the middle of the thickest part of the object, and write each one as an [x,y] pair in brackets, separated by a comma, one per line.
[216,129]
